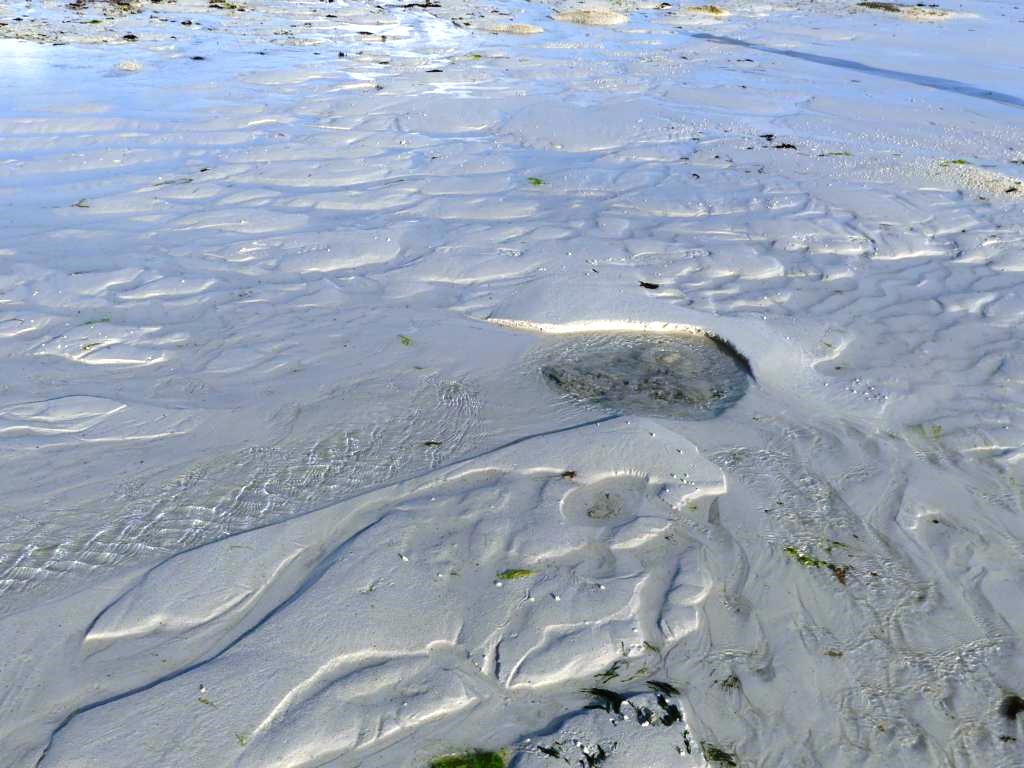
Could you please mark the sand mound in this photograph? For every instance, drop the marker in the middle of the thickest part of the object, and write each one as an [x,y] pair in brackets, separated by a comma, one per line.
[597,17]
[985,182]
[708,10]
[516,29]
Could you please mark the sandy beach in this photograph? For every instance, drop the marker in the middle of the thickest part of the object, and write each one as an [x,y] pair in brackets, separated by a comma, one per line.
[437,384]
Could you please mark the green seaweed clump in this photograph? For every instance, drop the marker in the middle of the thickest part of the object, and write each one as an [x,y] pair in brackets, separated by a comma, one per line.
[515,573]
[807,560]
[839,571]
[477,759]
[717,755]
[666,688]
[612,672]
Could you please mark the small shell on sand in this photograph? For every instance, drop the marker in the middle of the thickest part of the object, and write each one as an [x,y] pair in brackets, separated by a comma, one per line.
[594,16]
[516,29]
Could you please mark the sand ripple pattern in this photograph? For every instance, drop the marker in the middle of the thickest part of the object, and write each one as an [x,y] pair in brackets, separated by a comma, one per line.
[239,441]
[255,487]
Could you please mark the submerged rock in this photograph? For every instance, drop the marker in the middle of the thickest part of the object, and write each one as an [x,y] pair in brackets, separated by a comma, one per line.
[689,376]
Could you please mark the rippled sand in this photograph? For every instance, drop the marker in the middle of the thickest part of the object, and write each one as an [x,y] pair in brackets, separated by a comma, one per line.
[321,437]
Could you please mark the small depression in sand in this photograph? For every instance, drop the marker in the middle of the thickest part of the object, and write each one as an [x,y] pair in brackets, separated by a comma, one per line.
[612,501]
[688,376]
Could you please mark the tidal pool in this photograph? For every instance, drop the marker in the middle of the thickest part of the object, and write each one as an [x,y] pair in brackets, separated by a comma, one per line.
[688,376]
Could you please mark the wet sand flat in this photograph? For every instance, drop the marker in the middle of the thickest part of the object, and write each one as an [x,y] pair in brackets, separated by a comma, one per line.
[439,385]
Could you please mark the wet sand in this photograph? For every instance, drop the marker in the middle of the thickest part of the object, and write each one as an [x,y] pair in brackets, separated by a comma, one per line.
[436,384]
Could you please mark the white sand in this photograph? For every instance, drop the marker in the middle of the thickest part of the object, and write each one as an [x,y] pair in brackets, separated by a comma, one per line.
[283,484]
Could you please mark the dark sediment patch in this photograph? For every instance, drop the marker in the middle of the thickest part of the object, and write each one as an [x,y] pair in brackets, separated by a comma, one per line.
[1011,707]
[690,376]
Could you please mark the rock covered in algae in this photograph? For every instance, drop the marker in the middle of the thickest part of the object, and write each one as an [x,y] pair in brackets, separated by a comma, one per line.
[477,759]
[689,376]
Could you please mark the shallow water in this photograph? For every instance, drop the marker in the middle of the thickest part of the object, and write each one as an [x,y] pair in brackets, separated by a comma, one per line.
[673,375]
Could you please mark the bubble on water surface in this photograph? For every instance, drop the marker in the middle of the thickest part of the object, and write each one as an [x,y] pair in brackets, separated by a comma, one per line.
[689,376]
